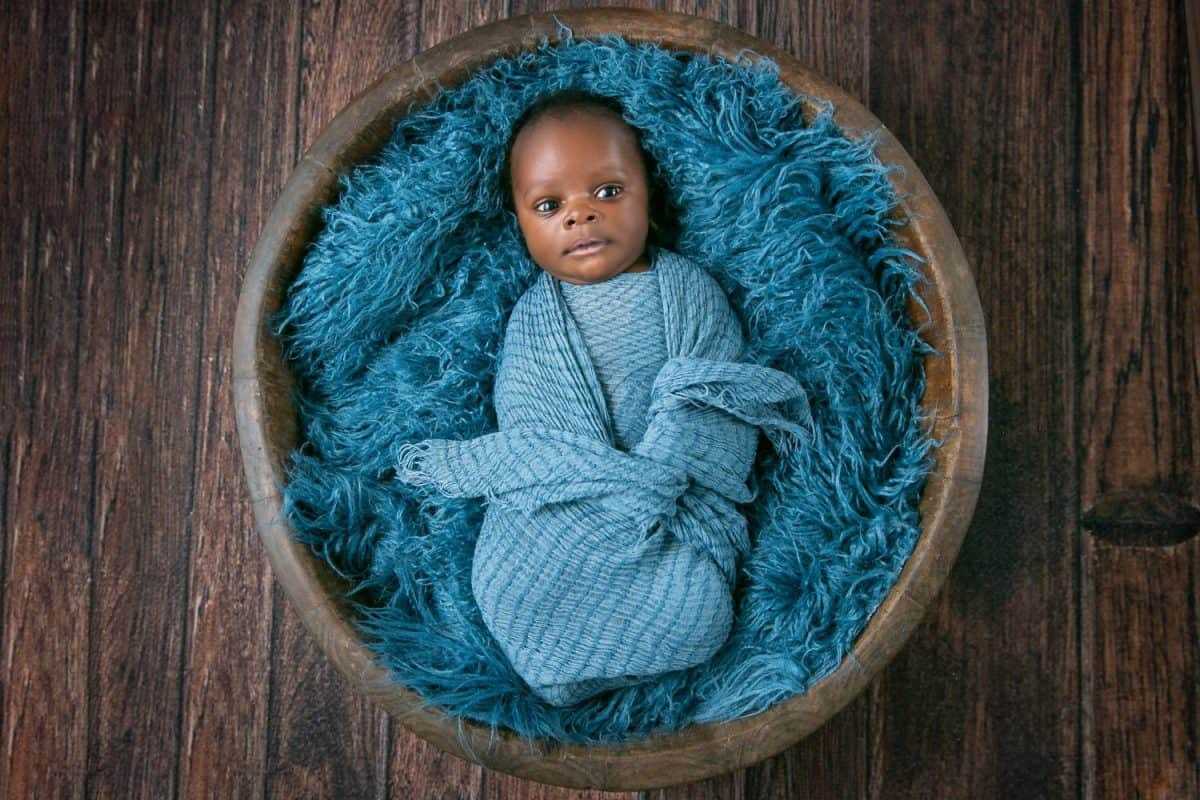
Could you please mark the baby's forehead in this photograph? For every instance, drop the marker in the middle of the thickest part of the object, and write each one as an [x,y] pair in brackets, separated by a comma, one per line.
[557,122]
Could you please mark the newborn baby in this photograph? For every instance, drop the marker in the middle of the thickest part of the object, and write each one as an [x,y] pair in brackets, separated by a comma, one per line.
[628,428]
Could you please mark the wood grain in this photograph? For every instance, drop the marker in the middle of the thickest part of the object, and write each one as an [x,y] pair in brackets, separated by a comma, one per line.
[325,739]
[982,701]
[1139,279]
[143,378]
[49,423]
[1140,397]
[224,749]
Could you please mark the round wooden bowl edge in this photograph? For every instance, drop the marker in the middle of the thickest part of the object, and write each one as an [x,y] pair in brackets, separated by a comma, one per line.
[699,751]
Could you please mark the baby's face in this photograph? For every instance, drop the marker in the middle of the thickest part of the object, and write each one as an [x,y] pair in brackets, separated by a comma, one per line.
[581,194]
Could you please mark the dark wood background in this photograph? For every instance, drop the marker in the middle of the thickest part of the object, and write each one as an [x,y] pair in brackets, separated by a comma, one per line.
[145,648]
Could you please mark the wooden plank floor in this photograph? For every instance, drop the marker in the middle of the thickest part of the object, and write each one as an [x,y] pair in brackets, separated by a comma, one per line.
[145,650]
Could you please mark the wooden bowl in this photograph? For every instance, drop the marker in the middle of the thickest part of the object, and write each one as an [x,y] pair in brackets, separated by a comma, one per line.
[956,397]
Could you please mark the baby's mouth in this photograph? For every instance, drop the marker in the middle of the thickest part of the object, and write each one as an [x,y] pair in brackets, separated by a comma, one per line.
[586,247]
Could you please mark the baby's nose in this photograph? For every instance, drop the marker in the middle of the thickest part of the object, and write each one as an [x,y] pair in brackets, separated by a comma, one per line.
[577,215]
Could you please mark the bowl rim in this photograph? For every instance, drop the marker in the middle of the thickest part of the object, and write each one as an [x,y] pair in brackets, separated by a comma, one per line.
[955,329]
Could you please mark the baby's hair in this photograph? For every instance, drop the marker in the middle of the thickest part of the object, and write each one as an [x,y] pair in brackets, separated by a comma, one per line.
[562,103]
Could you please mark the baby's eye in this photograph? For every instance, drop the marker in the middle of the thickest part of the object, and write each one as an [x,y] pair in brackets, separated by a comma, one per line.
[608,191]
[546,206]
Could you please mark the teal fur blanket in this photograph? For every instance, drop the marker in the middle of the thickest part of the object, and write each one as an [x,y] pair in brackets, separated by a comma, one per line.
[393,328]
[598,566]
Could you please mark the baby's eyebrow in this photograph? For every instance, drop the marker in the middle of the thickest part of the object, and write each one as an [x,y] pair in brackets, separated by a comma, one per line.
[531,191]
[611,173]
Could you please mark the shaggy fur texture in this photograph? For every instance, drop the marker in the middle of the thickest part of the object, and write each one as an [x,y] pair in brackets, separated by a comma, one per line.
[395,321]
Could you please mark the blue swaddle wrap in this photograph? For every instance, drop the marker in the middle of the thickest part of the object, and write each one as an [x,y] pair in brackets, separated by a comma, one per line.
[621,323]
[609,548]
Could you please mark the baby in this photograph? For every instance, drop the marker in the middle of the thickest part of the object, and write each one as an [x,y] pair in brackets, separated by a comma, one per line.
[628,425]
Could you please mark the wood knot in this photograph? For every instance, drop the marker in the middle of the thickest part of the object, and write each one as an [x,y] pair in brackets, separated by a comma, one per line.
[1142,517]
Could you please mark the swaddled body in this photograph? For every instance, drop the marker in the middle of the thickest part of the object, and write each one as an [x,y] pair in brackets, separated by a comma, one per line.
[628,425]
[596,566]
[607,591]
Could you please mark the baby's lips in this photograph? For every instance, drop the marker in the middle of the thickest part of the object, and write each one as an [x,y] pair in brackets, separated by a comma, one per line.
[586,243]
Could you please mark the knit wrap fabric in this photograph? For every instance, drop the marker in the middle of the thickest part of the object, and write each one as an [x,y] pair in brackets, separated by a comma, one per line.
[598,566]
[621,323]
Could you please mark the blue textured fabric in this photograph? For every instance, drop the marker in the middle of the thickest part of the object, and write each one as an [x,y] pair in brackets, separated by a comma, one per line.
[621,323]
[393,329]
[597,567]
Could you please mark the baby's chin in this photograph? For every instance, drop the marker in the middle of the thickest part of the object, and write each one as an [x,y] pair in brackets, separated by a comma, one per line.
[586,273]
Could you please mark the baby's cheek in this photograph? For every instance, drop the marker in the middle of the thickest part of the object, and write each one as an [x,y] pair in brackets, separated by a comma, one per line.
[529,235]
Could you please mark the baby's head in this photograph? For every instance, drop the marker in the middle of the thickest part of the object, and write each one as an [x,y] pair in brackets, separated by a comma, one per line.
[580,185]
